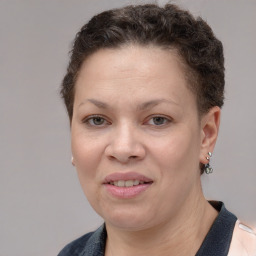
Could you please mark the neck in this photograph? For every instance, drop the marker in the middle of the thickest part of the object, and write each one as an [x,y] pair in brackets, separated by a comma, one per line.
[183,235]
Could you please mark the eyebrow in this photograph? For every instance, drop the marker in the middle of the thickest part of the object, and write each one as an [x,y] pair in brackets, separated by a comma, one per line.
[144,106]
[153,103]
[97,103]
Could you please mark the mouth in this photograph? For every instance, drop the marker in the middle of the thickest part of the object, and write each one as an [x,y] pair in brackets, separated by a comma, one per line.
[126,185]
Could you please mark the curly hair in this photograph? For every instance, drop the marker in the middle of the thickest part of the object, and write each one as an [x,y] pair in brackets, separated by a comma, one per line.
[168,27]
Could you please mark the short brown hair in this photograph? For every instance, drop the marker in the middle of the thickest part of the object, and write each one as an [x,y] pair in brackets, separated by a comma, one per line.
[168,27]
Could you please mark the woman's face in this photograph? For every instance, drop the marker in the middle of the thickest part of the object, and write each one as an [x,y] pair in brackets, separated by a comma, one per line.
[136,136]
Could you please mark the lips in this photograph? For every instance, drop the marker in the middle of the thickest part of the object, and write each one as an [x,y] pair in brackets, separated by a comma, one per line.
[126,185]
[122,179]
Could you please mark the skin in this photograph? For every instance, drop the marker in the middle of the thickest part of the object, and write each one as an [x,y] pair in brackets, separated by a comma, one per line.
[147,122]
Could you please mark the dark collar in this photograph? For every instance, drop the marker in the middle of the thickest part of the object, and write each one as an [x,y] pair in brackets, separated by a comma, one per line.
[95,246]
[218,239]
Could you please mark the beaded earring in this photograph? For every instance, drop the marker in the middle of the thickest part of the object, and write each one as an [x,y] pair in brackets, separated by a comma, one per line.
[207,168]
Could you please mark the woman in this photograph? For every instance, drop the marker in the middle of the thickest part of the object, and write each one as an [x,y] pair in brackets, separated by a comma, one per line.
[143,91]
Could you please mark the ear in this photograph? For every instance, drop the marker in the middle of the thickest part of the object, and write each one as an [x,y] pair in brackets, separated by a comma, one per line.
[209,132]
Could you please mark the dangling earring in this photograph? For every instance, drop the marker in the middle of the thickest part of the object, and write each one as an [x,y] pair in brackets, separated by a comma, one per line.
[207,168]
[72,161]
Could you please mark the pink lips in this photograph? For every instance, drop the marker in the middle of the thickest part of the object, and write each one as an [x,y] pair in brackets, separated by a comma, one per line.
[126,192]
[126,176]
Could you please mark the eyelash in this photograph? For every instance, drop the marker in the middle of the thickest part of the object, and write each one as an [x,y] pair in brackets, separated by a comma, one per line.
[93,117]
[166,120]
[87,120]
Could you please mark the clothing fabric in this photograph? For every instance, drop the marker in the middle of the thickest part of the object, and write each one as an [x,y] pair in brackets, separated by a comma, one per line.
[216,243]
[243,241]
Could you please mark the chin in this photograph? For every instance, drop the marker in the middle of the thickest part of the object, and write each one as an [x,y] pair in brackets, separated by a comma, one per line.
[128,225]
[128,219]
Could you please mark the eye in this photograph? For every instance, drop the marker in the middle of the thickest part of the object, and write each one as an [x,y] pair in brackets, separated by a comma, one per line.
[96,121]
[159,120]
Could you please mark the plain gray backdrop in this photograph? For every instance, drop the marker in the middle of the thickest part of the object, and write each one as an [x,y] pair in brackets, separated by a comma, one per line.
[42,206]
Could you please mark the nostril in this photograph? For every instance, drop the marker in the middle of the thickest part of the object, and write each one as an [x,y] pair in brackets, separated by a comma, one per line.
[124,153]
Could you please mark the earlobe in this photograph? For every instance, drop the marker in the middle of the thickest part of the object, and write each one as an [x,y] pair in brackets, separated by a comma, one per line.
[209,132]
[72,161]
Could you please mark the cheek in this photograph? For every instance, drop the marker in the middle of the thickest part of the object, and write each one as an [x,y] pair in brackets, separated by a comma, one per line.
[177,161]
[178,151]
[87,152]
[87,155]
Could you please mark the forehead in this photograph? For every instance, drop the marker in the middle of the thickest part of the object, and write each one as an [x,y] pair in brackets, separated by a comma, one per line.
[133,70]
[132,57]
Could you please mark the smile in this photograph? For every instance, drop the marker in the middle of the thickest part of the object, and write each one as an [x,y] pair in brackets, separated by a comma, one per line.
[126,183]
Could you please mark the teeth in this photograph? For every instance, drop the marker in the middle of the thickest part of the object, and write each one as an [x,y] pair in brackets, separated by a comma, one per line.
[121,183]
[136,182]
[127,183]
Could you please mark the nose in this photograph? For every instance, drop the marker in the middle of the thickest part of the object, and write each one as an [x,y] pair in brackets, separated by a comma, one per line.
[125,144]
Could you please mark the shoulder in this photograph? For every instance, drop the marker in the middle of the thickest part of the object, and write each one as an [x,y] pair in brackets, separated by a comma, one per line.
[76,247]
[92,243]
[243,241]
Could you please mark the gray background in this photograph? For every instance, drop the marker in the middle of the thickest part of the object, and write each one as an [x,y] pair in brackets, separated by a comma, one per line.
[42,205]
